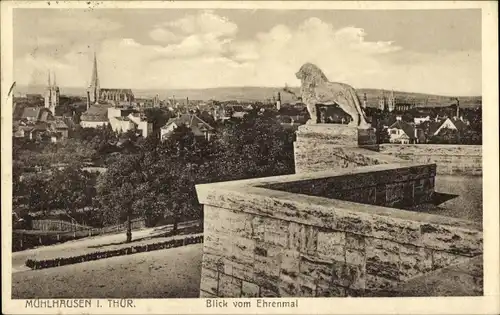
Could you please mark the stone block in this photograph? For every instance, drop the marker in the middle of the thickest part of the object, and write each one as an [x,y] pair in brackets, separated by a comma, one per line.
[342,274]
[442,259]
[367,137]
[214,262]
[394,194]
[294,235]
[266,281]
[453,240]
[338,134]
[229,287]
[265,292]
[290,263]
[382,258]
[238,270]
[318,269]
[209,281]
[378,283]
[357,223]
[242,250]
[270,230]
[206,295]
[354,241]
[332,244]
[308,239]
[225,221]
[355,257]
[307,285]
[413,261]
[217,243]
[330,290]
[403,231]
[288,285]
[249,289]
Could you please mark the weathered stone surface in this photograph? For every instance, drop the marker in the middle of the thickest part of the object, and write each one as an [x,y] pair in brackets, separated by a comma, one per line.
[378,283]
[307,285]
[242,250]
[402,231]
[355,241]
[332,245]
[442,259]
[209,281]
[451,239]
[205,295]
[413,261]
[229,286]
[249,289]
[332,133]
[265,292]
[270,230]
[239,270]
[382,258]
[455,159]
[330,290]
[289,285]
[290,263]
[268,259]
[224,221]
[308,239]
[355,257]
[211,261]
[318,269]
[350,222]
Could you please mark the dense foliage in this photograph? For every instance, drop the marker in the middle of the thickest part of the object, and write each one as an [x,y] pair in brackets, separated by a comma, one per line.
[156,179]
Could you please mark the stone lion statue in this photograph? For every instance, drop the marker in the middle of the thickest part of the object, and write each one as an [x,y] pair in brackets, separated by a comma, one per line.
[316,89]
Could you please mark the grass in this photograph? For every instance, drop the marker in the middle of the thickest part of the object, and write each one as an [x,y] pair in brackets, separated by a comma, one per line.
[168,273]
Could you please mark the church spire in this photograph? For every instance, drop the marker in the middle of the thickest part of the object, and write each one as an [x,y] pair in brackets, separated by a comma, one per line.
[94,82]
[54,75]
[48,81]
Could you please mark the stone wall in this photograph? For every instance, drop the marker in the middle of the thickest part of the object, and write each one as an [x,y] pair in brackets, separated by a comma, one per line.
[450,159]
[330,146]
[272,243]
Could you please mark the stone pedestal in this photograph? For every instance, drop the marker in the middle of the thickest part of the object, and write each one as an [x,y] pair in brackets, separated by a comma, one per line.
[330,146]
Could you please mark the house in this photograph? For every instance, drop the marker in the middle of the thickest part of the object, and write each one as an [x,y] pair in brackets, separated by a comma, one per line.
[434,128]
[421,119]
[123,120]
[95,116]
[404,133]
[36,114]
[199,127]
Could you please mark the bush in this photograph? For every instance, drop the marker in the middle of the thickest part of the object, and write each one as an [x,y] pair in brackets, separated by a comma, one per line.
[55,262]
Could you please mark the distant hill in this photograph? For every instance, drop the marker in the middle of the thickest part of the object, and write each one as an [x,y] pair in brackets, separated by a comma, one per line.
[265,93]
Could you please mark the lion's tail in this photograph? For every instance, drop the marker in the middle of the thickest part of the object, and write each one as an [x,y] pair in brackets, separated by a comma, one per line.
[357,103]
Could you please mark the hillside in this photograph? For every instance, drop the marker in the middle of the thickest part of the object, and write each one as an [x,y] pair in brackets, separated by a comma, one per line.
[265,93]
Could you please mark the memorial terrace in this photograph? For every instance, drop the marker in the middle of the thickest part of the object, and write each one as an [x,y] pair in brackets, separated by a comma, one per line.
[340,232]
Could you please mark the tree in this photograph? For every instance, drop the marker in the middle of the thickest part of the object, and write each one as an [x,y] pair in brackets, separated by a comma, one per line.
[118,190]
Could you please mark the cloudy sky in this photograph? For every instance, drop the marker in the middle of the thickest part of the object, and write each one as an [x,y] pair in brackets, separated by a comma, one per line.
[427,51]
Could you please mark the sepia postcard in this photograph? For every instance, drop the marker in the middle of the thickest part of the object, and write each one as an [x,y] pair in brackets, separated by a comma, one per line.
[239,157]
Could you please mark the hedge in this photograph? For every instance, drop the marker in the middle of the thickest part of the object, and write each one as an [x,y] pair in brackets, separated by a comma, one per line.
[56,262]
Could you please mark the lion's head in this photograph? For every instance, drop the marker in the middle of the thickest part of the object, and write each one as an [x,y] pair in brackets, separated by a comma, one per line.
[311,73]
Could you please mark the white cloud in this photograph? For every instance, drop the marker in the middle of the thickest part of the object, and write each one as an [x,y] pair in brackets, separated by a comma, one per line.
[203,50]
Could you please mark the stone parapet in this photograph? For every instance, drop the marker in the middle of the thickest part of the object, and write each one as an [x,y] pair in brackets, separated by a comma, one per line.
[263,237]
[333,146]
[450,159]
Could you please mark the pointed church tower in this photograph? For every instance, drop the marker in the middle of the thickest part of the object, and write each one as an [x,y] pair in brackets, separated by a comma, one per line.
[94,83]
[48,93]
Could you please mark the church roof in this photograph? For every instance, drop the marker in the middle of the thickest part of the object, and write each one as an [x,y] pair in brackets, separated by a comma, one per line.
[96,113]
[119,91]
[196,124]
